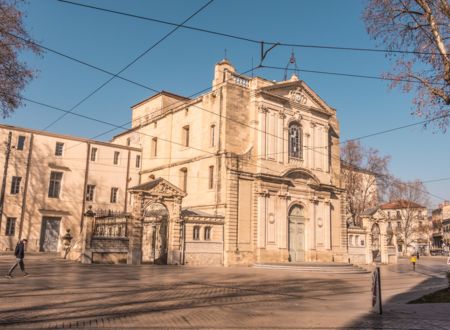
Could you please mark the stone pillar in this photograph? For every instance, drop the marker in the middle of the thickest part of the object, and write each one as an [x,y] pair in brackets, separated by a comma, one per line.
[368,224]
[174,244]
[327,224]
[86,254]
[135,232]
[262,111]
[280,137]
[383,243]
[262,218]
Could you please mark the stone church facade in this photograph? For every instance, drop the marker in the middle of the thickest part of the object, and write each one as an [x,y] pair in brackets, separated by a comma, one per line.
[257,160]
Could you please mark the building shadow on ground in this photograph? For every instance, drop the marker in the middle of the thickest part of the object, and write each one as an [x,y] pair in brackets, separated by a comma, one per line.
[397,313]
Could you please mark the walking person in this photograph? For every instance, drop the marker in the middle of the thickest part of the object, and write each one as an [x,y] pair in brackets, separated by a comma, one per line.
[413,262]
[20,254]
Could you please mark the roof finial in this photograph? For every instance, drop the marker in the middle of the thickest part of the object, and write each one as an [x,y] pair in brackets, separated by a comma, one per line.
[225,54]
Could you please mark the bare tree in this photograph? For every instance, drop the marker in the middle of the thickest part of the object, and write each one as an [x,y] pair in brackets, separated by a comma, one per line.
[364,174]
[410,200]
[14,74]
[422,27]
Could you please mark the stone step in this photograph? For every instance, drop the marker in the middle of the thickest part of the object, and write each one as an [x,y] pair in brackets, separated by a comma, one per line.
[315,268]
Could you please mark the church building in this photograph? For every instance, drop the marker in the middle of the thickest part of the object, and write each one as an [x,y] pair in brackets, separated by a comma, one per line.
[256,164]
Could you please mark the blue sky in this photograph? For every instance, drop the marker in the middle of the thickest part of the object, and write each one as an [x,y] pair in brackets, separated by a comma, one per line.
[184,62]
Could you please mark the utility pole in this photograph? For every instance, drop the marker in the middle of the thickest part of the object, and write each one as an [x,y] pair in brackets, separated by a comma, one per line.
[5,173]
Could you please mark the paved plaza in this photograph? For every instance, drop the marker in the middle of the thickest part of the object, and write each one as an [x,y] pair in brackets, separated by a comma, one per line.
[64,294]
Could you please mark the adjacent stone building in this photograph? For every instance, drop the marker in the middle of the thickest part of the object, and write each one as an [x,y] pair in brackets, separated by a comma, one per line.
[48,180]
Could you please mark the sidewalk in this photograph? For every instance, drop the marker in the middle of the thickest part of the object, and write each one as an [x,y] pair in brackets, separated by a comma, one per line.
[401,285]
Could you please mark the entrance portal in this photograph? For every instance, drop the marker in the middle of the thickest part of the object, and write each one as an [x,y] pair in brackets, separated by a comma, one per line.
[155,234]
[296,234]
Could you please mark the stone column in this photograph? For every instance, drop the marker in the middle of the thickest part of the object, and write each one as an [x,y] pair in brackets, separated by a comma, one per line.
[383,243]
[86,254]
[262,111]
[262,218]
[280,137]
[135,232]
[174,244]
[368,224]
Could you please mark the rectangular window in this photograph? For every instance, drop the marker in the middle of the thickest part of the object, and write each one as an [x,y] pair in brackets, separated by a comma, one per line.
[10,226]
[154,147]
[20,142]
[196,235]
[399,225]
[211,177]
[54,188]
[186,136]
[114,192]
[59,148]
[207,233]
[116,157]
[138,161]
[15,185]
[93,154]
[90,191]
[213,135]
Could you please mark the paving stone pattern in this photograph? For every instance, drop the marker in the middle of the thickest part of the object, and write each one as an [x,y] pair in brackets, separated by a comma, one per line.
[62,294]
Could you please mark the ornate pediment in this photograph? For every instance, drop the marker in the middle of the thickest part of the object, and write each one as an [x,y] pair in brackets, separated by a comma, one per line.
[297,93]
[158,187]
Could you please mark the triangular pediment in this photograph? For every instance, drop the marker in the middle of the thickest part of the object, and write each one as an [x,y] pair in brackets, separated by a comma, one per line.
[158,187]
[298,93]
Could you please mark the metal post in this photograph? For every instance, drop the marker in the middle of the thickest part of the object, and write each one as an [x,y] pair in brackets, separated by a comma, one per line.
[379,291]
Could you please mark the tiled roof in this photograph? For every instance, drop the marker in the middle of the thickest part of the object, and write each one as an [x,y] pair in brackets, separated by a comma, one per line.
[147,185]
[401,204]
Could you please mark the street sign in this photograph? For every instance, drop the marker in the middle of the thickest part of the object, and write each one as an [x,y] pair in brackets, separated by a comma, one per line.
[376,291]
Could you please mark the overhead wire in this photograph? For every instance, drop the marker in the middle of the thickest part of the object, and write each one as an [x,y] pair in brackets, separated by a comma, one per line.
[130,63]
[261,66]
[247,39]
[251,163]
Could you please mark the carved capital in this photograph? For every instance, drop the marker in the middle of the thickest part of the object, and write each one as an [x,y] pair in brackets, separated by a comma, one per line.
[263,109]
[264,193]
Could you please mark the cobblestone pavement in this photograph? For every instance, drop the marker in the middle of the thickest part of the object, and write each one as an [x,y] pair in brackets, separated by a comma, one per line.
[63,294]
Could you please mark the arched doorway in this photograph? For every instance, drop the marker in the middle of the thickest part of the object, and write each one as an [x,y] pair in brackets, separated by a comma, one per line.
[296,234]
[376,243]
[155,234]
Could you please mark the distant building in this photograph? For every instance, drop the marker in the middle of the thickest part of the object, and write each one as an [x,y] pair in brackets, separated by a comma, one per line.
[437,217]
[398,227]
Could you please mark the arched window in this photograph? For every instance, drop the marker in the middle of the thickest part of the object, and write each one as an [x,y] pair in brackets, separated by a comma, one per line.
[295,141]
